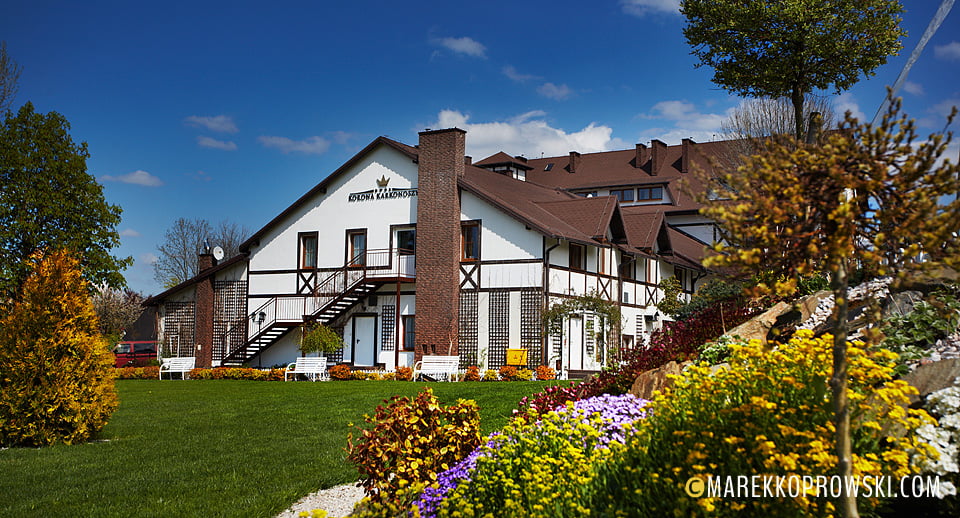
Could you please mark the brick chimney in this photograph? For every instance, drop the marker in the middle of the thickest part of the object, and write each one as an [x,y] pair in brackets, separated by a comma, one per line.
[686,148]
[641,157]
[574,162]
[203,318]
[441,165]
[658,154]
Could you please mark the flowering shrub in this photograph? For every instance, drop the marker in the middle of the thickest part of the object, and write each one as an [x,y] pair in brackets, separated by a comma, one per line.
[769,413]
[548,399]
[236,373]
[524,375]
[411,440]
[340,372]
[545,373]
[507,373]
[536,467]
[472,374]
[490,375]
[944,437]
[360,375]
[137,373]
[404,374]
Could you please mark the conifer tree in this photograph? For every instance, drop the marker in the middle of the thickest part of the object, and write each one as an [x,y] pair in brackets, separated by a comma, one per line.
[56,381]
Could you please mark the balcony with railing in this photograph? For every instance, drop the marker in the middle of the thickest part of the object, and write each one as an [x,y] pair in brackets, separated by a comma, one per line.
[332,296]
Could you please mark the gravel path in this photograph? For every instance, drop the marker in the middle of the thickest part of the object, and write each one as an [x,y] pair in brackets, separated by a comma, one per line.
[337,501]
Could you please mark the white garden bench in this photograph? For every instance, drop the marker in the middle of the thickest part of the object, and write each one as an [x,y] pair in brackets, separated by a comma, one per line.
[314,367]
[183,365]
[437,367]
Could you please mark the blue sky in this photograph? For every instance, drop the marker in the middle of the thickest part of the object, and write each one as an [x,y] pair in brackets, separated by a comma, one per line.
[231,110]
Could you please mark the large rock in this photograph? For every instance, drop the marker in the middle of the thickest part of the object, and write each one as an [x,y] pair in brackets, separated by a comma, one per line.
[759,326]
[655,379]
[934,376]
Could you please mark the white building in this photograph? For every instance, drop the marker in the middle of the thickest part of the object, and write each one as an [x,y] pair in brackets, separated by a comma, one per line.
[415,250]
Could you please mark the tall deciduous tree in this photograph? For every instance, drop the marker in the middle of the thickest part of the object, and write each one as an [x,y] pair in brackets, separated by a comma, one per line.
[49,201]
[185,239]
[755,120]
[789,48]
[116,310]
[865,198]
[9,78]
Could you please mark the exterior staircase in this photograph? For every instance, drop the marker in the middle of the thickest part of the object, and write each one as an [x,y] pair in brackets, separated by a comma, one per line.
[332,298]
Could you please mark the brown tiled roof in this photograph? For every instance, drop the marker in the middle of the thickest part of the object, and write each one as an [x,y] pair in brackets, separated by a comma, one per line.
[642,227]
[618,168]
[502,158]
[157,299]
[551,212]
[685,250]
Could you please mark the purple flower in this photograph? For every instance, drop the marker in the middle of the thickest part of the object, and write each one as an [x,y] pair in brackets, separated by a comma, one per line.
[614,412]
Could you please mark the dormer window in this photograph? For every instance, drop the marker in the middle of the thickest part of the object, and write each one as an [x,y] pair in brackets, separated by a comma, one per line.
[650,193]
[623,195]
[548,167]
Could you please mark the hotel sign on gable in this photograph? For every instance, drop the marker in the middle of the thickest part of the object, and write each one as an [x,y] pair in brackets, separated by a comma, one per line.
[382,192]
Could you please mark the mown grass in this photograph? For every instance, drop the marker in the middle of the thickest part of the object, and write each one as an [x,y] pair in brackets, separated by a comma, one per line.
[216,448]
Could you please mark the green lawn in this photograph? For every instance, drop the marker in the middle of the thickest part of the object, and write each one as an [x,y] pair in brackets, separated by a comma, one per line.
[216,448]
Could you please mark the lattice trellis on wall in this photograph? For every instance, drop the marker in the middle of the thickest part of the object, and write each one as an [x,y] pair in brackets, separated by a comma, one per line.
[531,327]
[229,317]
[388,320]
[499,316]
[178,329]
[467,345]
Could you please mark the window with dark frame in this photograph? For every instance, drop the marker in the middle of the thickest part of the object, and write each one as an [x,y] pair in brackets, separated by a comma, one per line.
[409,331]
[357,248]
[623,195]
[578,256]
[650,193]
[308,250]
[627,267]
[470,234]
[407,241]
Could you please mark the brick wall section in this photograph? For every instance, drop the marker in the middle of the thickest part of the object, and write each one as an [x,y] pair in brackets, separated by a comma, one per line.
[204,315]
[441,164]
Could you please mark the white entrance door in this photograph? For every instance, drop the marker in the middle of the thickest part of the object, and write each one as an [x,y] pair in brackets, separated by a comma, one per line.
[364,340]
[575,342]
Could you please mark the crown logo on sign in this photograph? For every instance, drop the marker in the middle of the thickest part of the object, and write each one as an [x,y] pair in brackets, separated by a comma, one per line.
[383,181]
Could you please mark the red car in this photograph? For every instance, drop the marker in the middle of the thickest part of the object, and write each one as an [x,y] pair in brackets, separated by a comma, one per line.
[134,354]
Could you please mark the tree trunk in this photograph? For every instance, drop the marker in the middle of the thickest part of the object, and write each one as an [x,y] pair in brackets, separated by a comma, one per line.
[796,96]
[838,384]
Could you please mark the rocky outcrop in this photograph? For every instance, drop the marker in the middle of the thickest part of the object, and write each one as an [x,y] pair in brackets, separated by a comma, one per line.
[934,376]
[655,379]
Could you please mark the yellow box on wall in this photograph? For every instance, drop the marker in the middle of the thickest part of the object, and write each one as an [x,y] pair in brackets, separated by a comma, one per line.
[516,357]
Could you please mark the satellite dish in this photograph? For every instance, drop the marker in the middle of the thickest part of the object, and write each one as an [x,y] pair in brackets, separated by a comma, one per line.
[217,253]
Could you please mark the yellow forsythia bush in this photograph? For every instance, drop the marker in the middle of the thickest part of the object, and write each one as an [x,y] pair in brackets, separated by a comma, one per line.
[56,371]
[768,414]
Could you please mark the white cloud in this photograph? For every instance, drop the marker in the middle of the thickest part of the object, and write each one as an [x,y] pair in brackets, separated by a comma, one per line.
[513,75]
[148,259]
[227,145]
[219,123]
[467,46]
[846,102]
[556,92]
[949,52]
[527,134]
[686,116]
[310,145]
[913,88]
[129,232]
[942,108]
[342,137]
[138,177]
[644,7]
